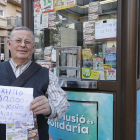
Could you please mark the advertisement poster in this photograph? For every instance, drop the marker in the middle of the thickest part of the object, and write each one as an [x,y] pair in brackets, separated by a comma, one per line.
[37,14]
[17,135]
[44,20]
[110,56]
[70,3]
[138,116]
[37,6]
[89,117]
[47,6]
[86,54]
[63,4]
[87,73]
[98,63]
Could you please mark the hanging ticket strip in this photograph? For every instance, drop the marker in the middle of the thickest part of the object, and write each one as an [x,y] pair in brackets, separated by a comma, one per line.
[47,9]
[22,131]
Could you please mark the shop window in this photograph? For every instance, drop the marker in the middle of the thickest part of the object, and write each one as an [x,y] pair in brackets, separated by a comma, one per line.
[87,23]
[2,48]
[1,13]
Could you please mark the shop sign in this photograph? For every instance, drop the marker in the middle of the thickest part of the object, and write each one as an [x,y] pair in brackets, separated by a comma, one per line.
[110,56]
[89,117]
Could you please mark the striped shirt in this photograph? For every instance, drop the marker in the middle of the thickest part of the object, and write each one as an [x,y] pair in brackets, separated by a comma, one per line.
[56,95]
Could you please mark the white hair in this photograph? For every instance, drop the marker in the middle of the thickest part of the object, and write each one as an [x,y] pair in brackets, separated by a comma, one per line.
[22,28]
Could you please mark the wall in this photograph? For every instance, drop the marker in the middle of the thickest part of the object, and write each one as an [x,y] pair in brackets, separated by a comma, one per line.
[3,33]
[10,10]
[3,2]
[3,22]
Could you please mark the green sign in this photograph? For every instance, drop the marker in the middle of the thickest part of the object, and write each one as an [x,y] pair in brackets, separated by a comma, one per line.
[86,72]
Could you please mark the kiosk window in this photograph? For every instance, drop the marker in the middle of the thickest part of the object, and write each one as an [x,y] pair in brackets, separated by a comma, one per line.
[138,61]
[86,23]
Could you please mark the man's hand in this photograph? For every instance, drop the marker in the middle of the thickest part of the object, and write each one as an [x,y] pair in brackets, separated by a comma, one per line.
[40,105]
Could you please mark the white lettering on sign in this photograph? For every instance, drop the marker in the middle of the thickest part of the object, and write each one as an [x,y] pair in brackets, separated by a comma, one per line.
[78,120]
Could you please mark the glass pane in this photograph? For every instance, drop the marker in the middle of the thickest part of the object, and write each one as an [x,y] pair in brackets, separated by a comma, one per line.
[2,39]
[1,12]
[39,55]
[2,48]
[87,23]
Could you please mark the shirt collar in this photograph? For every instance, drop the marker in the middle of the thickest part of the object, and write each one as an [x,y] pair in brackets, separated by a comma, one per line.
[15,66]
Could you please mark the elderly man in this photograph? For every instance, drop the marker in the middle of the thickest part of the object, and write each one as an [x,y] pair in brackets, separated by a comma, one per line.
[22,45]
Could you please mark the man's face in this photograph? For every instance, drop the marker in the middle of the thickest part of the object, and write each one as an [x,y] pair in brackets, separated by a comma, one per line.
[21,51]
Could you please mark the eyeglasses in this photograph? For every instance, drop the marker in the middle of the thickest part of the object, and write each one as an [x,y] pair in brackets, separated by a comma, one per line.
[19,41]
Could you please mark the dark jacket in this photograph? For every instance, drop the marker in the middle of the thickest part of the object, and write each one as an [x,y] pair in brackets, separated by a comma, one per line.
[39,81]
